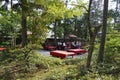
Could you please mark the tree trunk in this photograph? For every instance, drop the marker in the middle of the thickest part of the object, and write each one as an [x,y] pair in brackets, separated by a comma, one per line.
[64,30]
[55,37]
[105,14]
[90,51]
[24,27]
[33,30]
[91,35]
[91,48]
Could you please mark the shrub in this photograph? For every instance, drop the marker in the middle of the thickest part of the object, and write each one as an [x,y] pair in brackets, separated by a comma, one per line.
[19,62]
[63,73]
[41,61]
[73,61]
[112,48]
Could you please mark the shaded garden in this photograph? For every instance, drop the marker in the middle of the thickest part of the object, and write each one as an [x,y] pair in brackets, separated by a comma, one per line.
[24,25]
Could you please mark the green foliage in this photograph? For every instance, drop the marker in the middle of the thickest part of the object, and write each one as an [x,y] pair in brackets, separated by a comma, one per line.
[50,68]
[39,34]
[112,48]
[80,8]
[74,61]
[54,9]
[9,27]
[30,58]
[40,14]
[39,60]
[109,25]
[16,63]
[102,71]
[9,20]
[68,71]
[117,26]
[62,74]
[59,31]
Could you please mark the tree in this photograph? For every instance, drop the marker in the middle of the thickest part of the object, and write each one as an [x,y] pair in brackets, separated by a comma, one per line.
[92,32]
[23,23]
[102,43]
[43,13]
[67,24]
[9,23]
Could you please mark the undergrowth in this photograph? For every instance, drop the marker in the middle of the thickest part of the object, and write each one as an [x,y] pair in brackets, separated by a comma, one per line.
[28,64]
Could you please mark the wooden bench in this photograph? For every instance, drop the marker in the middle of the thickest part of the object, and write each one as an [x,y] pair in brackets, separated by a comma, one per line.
[61,54]
[77,51]
[50,47]
[2,49]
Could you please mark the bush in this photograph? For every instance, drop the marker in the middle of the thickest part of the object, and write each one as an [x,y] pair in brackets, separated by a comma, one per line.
[17,63]
[112,48]
[41,61]
[63,73]
[74,61]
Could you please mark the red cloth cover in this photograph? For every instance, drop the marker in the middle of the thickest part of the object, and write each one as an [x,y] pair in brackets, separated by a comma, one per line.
[49,47]
[1,49]
[61,54]
[77,51]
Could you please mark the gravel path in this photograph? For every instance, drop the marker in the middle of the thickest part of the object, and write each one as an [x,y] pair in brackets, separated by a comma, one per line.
[45,52]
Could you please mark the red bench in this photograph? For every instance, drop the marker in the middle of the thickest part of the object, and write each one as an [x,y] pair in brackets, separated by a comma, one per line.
[61,54]
[50,47]
[2,49]
[77,51]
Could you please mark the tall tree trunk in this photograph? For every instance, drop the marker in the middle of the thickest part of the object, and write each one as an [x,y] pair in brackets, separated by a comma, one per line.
[64,31]
[91,48]
[12,30]
[24,27]
[105,14]
[90,51]
[33,30]
[65,21]
[55,35]
[91,34]
[116,12]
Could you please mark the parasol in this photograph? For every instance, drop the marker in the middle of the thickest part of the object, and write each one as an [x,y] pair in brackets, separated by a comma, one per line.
[72,36]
